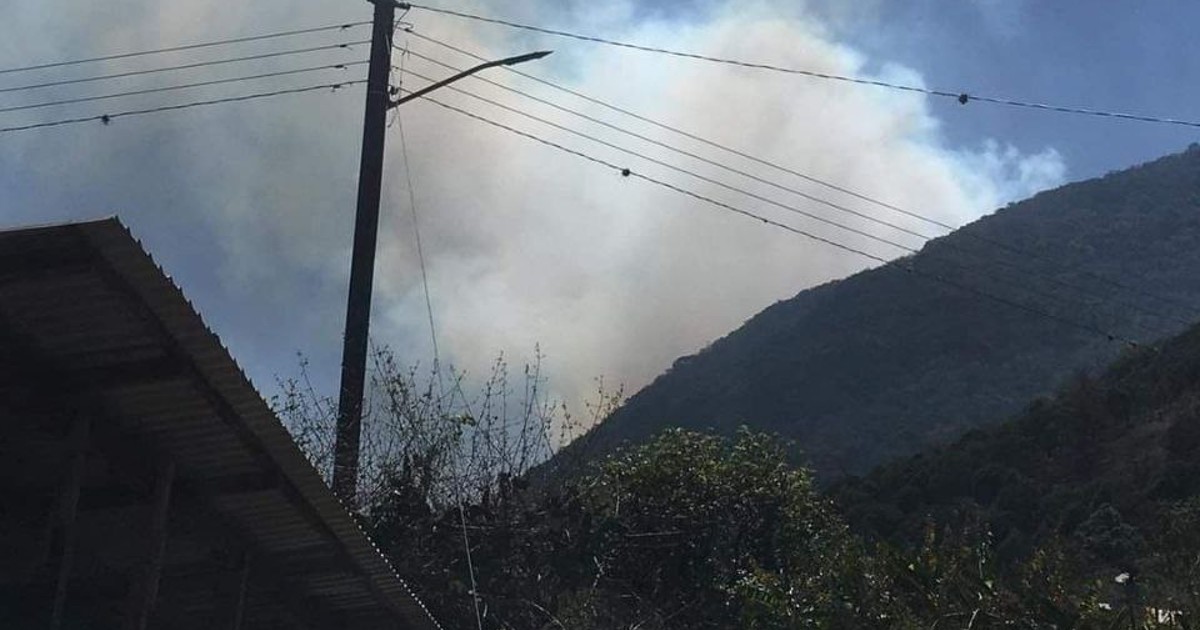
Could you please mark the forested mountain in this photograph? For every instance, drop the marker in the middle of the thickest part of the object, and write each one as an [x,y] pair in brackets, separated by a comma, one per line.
[919,351]
[1107,463]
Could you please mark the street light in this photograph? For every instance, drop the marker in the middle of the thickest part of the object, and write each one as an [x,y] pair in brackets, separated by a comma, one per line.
[366,228]
[511,61]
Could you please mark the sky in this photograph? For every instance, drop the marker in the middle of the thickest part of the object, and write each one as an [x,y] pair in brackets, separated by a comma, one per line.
[249,206]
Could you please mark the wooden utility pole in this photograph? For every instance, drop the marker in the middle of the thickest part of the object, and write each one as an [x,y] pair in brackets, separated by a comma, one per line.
[362,266]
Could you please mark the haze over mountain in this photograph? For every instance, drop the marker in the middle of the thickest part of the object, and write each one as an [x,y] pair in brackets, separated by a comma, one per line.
[920,350]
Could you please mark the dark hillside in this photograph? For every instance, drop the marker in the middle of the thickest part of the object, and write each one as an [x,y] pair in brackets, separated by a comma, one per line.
[888,361]
[1107,453]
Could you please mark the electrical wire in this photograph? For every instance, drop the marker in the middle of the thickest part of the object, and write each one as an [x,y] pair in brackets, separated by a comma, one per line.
[690,135]
[107,118]
[223,42]
[678,169]
[960,96]
[172,88]
[202,64]
[742,191]
[728,207]
[412,198]
[761,180]
[689,154]
[1190,310]
[413,205]
[462,519]
[905,248]
[397,27]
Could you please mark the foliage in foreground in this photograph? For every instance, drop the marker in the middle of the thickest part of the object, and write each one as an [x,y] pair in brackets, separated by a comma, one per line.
[696,531]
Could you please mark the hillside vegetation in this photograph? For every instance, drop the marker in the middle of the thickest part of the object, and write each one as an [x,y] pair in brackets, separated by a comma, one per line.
[1081,512]
[1105,462]
[888,361]
[695,531]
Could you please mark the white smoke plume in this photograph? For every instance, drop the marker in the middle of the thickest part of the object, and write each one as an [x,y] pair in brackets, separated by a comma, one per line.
[524,245]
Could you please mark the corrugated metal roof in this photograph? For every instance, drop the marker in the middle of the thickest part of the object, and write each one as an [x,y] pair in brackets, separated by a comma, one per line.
[91,302]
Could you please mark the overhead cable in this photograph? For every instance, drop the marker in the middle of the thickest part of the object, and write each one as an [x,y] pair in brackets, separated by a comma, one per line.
[189,66]
[107,118]
[627,172]
[172,88]
[1020,253]
[704,178]
[960,96]
[905,248]
[156,51]
[689,154]
[412,204]
[790,208]
[693,136]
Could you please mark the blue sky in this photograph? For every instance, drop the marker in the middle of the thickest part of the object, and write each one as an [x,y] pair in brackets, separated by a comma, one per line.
[1134,57]
[250,206]
[1137,57]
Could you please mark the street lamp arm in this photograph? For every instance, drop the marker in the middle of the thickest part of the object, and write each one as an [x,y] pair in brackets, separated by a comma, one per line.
[510,61]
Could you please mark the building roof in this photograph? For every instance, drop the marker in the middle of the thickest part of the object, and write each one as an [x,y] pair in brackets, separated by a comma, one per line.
[89,325]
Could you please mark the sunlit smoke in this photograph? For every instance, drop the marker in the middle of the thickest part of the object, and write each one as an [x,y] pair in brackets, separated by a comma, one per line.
[525,245]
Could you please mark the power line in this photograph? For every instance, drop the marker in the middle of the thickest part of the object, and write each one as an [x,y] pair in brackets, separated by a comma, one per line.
[742,191]
[172,88]
[689,154]
[886,241]
[223,42]
[412,202]
[1189,309]
[735,189]
[961,96]
[703,178]
[107,118]
[627,172]
[765,220]
[790,208]
[203,64]
[694,136]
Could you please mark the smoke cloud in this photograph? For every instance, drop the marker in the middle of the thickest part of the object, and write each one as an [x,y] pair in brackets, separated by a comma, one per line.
[525,245]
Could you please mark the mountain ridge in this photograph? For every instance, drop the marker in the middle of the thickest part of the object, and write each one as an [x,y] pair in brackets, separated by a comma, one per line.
[889,361]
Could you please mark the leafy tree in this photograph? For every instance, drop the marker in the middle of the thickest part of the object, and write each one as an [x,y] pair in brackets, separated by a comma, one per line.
[702,532]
